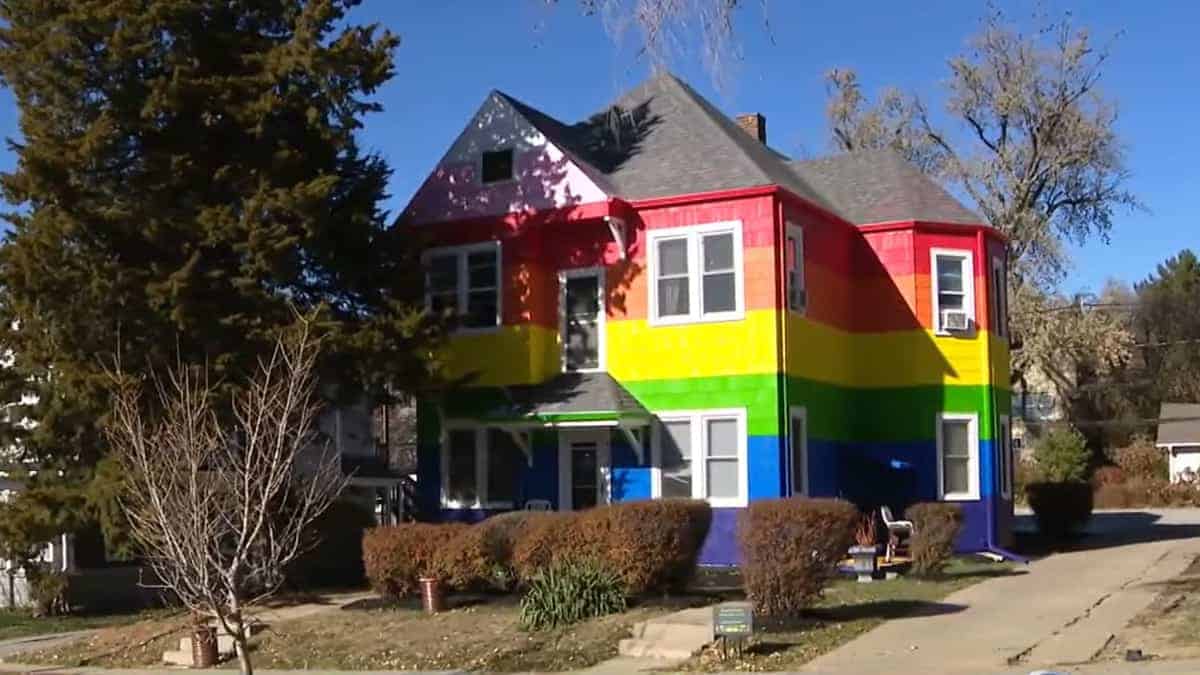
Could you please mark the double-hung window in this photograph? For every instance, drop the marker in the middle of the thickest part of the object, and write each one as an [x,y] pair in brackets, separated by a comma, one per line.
[464,281]
[998,302]
[696,273]
[958,456]
[701,455]
[480,468]
[797,288]
[953,287]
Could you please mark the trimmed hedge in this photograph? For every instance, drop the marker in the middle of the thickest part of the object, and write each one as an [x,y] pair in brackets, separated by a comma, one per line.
[651,545]
[396,556]
[936,526]
[791,549]
[481,556]
[1060,509]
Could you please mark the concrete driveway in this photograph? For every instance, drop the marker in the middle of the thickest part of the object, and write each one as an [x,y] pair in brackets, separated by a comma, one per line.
[1061,609]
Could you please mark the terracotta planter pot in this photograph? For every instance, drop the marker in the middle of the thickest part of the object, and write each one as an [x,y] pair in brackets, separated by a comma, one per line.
[204,646]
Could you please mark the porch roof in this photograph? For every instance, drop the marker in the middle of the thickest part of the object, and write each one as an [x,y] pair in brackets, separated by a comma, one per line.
[568,398]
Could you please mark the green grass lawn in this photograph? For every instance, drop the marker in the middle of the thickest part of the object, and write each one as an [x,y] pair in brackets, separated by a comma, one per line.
[847,610]
[18,623]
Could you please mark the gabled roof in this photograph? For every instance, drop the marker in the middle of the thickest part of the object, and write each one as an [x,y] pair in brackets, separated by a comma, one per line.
[879,186]
[573,396]
[663,139]
[1179,424]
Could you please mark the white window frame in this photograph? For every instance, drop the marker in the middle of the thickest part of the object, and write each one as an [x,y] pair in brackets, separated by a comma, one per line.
[1006,449]
[998,302]
[795,233]
[462,283]
[972,420]
[798,412]
[577,273]
[694,234]
[697,420]
[967,260]
[566,462]
[481,467]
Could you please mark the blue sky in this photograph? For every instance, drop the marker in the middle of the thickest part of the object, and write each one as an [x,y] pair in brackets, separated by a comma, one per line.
[455,51]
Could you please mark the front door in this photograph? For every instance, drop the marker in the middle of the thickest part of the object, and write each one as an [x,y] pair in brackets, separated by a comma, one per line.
[582,310]
[583,466]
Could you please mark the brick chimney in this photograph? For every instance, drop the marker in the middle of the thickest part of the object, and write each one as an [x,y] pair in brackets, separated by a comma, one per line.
[755,125]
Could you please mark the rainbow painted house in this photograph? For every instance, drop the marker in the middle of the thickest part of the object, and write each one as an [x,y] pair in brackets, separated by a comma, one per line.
[653,303]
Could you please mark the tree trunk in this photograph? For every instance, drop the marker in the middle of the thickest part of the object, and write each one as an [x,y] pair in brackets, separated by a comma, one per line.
[243,652]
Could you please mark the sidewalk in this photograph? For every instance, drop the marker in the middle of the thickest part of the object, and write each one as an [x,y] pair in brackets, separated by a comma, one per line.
[1062,610]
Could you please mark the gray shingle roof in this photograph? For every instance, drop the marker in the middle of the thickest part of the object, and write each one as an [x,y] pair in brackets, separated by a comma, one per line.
[1179,424]
[663,139]
[879,186]
[572,394]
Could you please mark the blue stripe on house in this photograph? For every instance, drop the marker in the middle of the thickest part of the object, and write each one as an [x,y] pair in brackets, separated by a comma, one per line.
[869,474]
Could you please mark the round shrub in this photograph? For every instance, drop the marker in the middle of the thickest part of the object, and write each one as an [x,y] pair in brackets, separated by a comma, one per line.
[570,591]
[651,544]
[1060,509]
[1141,459]
[791,549]
[396,556]
[935,527]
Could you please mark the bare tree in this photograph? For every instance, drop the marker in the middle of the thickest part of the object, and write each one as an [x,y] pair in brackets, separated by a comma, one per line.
[219,501]
[666,27]
[1036,150]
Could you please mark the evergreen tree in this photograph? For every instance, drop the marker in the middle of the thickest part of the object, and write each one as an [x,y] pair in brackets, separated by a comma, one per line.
[188,177]
[1168,326]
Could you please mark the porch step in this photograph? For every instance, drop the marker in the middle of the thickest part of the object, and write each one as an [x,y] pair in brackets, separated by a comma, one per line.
[225,644]
[179,658]
[677,636]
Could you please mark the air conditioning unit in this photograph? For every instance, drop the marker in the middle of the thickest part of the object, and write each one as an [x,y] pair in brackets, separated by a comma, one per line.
[955,320]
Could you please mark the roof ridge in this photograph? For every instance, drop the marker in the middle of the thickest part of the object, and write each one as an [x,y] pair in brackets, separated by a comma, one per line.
[769,164]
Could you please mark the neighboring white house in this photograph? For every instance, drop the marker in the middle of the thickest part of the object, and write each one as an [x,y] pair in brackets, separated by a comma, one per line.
[59,554]
[1179,436]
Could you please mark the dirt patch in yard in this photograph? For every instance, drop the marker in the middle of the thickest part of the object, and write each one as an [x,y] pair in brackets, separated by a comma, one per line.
[476,634]
[1169,627]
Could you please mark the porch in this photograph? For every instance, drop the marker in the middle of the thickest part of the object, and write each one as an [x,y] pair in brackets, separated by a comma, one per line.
[573,442]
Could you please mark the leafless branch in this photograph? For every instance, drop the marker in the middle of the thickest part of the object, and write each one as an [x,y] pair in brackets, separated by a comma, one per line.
[221,508]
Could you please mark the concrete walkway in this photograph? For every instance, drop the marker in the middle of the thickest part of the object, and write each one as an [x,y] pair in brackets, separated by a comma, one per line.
[1062,609]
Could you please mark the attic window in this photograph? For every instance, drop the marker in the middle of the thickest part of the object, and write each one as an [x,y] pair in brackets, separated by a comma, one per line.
[497,165]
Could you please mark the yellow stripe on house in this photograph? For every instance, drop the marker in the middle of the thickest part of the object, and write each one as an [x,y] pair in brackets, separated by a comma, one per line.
[638,351]
[892,359]
[522,354]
